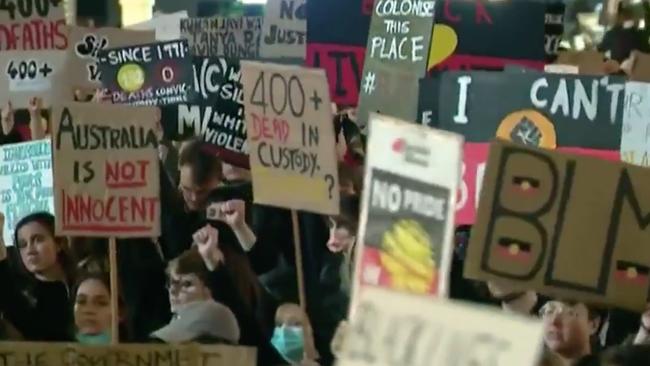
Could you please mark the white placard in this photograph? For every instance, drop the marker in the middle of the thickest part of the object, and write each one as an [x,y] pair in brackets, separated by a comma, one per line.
[635,137]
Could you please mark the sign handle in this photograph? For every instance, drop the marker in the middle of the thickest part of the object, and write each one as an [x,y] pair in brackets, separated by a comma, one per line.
[115,324]
[298,250]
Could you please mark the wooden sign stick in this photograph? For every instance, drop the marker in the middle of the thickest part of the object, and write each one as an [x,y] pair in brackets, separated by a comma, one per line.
[115,323]
[298,251]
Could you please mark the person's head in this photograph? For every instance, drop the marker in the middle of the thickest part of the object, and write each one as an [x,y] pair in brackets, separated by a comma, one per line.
[92,306]
[200,173]
[42,254]
[187,280]
[569,327]
[292,336]
[343,228]
[350,178]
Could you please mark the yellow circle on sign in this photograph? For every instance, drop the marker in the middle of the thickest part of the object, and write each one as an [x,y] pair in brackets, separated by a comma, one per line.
[444,41]
[130,77]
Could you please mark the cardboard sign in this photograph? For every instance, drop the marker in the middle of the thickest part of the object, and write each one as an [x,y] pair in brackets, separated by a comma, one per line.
[217,112]
[580,114]
[398,329]
[487,35]
[82,69]
[28,74]
[399,41]
[284,33]
[26,181]
[337,34]
[166,26]
[541,214]
[635,138]
[33,25]
[588,62]
[106,178]
[562,69]
[290,137]
[407,226]
[236,38]
[52,354]
[152,74]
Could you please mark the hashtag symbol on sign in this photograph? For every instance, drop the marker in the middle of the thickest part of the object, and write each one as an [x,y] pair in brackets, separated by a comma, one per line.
[369,83]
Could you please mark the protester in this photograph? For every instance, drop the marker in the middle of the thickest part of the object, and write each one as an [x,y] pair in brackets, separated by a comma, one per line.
[292,336]
[92,310]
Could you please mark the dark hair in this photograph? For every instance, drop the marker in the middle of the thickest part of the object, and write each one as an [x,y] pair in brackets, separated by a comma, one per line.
[65,257]
[348,216]
[204,163]
[101,277]
[189,262]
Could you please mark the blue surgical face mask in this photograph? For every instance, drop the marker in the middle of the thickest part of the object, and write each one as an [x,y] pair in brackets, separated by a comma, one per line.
[100,339]
[290,343]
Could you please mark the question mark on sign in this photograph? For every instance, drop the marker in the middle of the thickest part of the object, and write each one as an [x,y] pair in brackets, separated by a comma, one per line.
[330,180]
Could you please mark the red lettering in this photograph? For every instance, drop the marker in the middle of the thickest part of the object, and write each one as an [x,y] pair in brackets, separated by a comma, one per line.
[28,38]
[123,174]
[281,129]
[263,127]
[34,35]
[124,206]
[481,13]
[448,15]
[343,65]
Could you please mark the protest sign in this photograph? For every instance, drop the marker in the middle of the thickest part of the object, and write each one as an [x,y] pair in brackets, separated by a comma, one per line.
[33,25]
[82,69]
[166,26]
[290,137]
[635,136]
[28,74]
[399,41]
[399,329]
[236,38]
[337,34]
[407,226]
[26,181]
[106,179]
[217,112]
[489,35]
[541,213]
[284,32]
[151,74]
[553,28]
[54,354]
[581,114]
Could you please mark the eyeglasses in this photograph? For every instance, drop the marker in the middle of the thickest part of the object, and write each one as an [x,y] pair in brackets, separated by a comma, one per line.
[556,308]
[180,285]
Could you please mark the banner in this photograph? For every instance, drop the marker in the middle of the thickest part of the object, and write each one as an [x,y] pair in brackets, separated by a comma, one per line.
[217,112]
[106,180]
[82,69]
[235,38]
[398,48]
[284,31]
[487,35]
[28,74]
[54,354]
[151,74]
[407,224]
[337,34]
[399,329]
[26,181]
[541,214]
[573,113]
[166,26]
[291,137]
[33,25]
[635,136]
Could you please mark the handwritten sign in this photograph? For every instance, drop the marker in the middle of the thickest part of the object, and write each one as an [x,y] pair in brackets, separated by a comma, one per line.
[408,207]
[291,137]
[82,67]
[541,213]
[53,354]
[26,181]
[573,113]
[236,38]
[106,178]
[33,25]
[28,74]
[216,114]
[400,37]
[152,74]
[166,26]
[339,50]
[284,32]
[636,126]
[398,329]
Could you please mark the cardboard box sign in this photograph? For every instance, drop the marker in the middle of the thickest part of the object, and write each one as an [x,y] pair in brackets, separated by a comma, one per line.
[572,227]
[399,329]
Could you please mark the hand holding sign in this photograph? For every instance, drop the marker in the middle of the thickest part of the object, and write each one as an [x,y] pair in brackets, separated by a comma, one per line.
[207,242]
